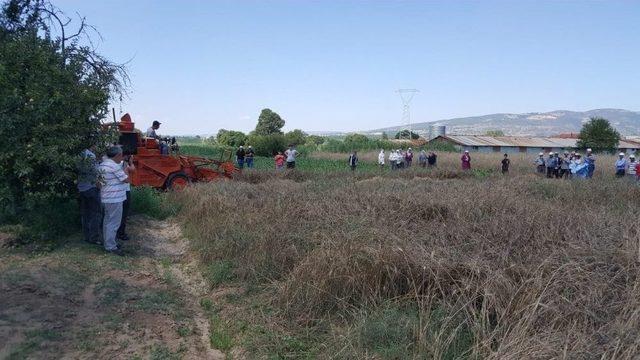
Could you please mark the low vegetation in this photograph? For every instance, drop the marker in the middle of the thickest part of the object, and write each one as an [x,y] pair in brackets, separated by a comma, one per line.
[421,263]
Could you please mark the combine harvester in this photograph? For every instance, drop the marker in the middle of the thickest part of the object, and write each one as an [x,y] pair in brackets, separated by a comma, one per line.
[172,170]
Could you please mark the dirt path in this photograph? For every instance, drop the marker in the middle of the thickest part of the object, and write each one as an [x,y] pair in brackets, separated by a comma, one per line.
[79,302]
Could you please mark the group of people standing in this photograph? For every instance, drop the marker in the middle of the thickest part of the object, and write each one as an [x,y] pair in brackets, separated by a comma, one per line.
[630,167]
[400,159]
[105,197]
[245,157]
[281,159]
[570,165]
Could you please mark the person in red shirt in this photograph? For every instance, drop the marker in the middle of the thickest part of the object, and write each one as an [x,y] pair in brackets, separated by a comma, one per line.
[279,160]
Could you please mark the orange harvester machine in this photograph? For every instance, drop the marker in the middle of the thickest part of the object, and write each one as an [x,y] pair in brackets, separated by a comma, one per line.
[167,171]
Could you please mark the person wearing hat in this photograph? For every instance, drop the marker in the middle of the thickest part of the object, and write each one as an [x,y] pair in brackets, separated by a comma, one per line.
[248,157]
[381,159]
[551,164]
[114,180]
[540,163]
[632,166]
[590,160]
[151,134]
[621,165]
[579,169]
[240,154]
[466,160]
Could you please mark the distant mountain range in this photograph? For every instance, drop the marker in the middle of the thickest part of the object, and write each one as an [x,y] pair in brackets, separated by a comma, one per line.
[529,124]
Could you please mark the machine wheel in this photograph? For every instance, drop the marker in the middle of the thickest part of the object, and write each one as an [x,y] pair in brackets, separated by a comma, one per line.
[177,181]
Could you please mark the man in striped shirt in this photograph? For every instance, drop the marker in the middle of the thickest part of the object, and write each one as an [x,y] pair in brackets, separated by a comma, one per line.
[113,194]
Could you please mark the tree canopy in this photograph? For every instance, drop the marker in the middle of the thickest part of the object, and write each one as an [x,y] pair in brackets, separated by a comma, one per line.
[404,134]
[231,138]
[54,92]
[599,135]
[269,123]
[296,137]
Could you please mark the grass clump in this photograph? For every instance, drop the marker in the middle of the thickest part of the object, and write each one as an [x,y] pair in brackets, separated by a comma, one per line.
[389,332]
[219,334]
[219,272]
[151,202]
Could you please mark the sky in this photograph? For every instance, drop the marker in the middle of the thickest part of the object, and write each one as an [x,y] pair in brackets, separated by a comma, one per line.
[198,66]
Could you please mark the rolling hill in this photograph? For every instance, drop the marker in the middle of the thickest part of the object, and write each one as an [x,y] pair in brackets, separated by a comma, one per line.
[530,124]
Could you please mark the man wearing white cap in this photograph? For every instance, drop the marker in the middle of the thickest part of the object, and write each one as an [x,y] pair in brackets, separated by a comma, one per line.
[552,161]
[590,160]
[540,164]
[621,165]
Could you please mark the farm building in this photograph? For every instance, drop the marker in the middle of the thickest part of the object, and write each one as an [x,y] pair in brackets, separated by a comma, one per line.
[518,144]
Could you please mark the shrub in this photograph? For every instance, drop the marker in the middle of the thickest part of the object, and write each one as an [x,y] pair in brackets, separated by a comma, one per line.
[266,145]
[231,138]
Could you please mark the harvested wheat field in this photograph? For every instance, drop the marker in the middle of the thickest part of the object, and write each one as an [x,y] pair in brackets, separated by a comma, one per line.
[421,264]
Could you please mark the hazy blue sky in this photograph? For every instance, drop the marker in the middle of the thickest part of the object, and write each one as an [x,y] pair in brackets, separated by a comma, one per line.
[198,66]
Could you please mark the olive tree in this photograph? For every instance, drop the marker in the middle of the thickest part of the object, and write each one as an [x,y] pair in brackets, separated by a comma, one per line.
[54,91]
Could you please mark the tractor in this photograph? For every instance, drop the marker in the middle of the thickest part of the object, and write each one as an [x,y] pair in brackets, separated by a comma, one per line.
[167,169]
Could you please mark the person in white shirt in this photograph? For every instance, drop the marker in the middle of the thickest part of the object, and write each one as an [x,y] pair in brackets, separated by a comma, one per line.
[151,132]
[381,158]
[113,193]
[632,167]
[392,159]
[291,155]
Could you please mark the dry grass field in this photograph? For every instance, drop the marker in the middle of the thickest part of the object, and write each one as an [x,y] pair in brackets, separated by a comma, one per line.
[422,263]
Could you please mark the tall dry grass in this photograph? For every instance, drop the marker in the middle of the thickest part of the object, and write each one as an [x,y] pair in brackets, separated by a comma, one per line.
[523,267]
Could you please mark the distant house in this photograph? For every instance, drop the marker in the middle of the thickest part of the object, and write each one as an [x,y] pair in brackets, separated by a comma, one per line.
[519,144]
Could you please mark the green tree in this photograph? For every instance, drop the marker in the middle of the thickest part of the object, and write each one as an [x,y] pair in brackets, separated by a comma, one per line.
[599,135]
[385,136]
[494,133]
[267,145]
[404,134]
[54,92]
[269,123]
[231,138]
[296,137]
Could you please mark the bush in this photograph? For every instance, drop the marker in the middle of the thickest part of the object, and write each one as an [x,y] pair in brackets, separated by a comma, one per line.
[231,138]
[266,145]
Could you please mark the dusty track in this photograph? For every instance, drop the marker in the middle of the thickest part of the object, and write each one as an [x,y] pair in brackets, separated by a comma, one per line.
[78,302]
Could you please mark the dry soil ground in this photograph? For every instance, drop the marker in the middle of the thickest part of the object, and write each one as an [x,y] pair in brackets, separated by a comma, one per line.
[78,302]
